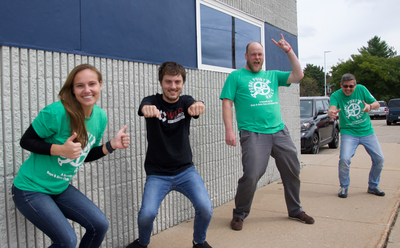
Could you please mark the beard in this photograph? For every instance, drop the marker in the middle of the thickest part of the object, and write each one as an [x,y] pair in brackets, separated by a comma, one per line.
[170,98]
[253,68]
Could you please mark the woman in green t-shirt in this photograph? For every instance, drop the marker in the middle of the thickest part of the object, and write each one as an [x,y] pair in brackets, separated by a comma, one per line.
[65,134]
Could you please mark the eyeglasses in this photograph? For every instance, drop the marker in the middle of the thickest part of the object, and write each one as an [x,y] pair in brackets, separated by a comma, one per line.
[351,86]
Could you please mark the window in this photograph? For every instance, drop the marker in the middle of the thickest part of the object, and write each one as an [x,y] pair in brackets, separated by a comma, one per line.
[306,108]
[319,106]
[326,104]
[222,35]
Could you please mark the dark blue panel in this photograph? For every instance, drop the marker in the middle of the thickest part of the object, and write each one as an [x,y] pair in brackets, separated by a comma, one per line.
[145,31]
[47,25]
[275,58]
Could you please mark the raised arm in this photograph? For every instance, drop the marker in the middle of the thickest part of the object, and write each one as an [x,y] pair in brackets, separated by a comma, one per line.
[297,73]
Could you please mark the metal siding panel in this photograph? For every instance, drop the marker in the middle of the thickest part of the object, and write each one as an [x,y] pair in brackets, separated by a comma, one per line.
[120,30]
[46,25]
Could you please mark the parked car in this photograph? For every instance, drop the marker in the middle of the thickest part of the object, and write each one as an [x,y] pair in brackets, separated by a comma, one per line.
[317,128]
[382,111]
[394,111]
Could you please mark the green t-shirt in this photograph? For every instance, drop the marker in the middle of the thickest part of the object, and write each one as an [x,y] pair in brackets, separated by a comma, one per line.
[352,120]
[52,174]
[256,99]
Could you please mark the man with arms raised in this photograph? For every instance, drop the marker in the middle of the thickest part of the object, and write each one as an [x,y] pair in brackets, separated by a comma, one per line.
[255,93]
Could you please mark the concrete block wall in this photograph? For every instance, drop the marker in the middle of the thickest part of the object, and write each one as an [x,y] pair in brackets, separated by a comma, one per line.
[31,79]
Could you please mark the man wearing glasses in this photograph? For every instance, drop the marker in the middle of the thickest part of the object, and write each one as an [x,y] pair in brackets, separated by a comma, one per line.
[353,102]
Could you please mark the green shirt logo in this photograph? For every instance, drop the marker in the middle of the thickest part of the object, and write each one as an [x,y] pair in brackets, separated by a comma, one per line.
[260,86]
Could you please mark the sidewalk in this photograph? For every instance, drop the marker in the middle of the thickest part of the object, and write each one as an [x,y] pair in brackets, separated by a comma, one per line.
[361,220]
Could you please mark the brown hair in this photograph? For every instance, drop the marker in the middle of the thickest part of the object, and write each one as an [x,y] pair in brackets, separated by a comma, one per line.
[74,109]
[171,68]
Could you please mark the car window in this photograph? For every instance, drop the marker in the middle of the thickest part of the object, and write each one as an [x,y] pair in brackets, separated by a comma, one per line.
[326,104]
[394,103]
[319,105]
[305,108]
[383,104]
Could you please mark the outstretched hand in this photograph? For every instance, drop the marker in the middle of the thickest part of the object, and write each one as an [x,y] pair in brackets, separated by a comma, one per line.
[150,111]
[333,113]
[367,107]
[282,44]
[197,109]
[121,139]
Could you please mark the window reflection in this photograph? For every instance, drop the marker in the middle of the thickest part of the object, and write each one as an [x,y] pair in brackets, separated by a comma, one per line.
[216,37]
[245,33]
[218,46]
[306,109]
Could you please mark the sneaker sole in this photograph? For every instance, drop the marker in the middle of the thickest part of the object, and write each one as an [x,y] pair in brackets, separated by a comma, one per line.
[299,220]
[373,193]
[292,218]
[302,221]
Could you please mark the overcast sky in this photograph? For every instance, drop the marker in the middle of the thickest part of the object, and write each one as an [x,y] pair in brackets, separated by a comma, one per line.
[343,26]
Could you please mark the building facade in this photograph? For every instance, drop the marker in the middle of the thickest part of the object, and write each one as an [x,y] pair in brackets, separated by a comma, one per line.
[40,43]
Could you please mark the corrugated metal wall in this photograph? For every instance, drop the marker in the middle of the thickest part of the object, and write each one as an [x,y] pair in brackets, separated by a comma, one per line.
[31,79]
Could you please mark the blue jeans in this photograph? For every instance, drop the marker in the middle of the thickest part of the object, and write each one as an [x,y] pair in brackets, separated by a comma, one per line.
[49,213]
[191,185]
[348,147]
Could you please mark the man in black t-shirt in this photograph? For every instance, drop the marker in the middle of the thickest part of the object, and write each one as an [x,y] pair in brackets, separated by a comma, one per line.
[168,162]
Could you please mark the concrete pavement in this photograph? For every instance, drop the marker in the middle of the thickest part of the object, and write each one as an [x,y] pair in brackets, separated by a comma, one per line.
[361,220]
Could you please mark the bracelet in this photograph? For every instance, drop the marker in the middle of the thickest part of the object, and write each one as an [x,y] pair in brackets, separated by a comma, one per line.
[290,48]
[109,147]
[370,106]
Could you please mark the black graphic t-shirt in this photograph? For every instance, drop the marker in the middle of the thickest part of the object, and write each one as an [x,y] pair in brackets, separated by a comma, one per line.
[168,151]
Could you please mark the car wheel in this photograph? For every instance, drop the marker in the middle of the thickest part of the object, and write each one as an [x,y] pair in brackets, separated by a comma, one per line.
[388,123]
[315,144]
[335,141]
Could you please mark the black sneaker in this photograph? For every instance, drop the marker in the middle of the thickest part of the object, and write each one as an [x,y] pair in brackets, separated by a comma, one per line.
[342,192]
[136,244]
[303,218]
[201,245]
[377,191]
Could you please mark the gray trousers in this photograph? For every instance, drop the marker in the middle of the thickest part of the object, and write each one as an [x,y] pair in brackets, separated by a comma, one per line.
[256,150]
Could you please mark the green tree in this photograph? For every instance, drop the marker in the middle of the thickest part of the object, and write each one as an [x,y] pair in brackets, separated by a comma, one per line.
[316,73]
[379,74]
[309,87]
[378,48]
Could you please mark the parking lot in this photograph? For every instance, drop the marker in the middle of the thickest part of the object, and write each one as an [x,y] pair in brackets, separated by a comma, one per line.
[385,134]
